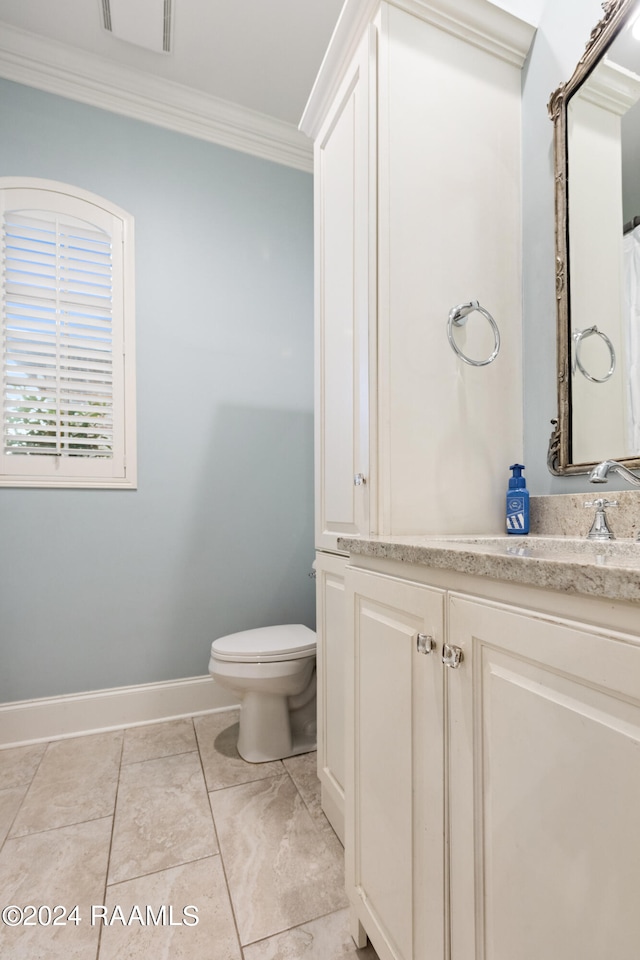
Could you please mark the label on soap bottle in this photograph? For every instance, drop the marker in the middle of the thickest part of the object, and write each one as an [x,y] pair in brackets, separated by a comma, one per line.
[517,514]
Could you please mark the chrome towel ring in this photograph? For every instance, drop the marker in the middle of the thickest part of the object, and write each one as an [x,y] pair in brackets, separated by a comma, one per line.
[578,337]
[458,317]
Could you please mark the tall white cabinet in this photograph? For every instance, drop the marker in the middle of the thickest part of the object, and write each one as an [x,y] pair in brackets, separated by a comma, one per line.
[344,182]
[415,117]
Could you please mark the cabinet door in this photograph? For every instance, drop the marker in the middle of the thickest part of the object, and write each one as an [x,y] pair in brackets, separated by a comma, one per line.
[545,793]
[344,221]
[331,660]
[395,791]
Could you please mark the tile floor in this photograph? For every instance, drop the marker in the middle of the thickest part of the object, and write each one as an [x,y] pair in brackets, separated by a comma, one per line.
[168,816]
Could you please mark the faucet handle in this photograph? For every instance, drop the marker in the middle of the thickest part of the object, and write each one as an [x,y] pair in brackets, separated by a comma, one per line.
[599,528]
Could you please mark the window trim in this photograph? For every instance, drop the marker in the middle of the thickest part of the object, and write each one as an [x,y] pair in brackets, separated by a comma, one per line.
[129,480]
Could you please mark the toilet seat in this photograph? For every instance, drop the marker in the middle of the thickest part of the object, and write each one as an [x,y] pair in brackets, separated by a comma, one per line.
[290,641]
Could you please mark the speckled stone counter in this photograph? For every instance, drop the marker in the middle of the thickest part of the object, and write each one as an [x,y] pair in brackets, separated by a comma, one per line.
[565,514]
[610,569]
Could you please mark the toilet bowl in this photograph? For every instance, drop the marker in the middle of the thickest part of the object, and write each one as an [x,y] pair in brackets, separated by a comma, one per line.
[273,672]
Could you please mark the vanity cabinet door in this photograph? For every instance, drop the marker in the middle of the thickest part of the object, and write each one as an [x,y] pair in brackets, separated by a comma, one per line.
[395,788]
[544,773]
[331,663]
[344,182]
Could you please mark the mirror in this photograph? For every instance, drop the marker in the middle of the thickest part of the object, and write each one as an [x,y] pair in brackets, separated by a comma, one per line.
[596,117]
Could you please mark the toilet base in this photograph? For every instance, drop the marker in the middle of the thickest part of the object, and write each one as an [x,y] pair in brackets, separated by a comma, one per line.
[269,730]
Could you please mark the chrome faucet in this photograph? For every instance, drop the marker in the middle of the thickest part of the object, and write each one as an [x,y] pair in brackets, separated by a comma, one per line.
[599,475]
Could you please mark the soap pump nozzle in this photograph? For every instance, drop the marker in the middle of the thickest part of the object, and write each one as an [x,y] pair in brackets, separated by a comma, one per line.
[516,480]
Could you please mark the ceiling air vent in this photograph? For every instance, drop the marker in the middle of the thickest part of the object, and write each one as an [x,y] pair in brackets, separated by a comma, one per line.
[146,23]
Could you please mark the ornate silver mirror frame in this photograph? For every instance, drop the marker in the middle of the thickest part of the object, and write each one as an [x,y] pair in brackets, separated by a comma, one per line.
[615,16]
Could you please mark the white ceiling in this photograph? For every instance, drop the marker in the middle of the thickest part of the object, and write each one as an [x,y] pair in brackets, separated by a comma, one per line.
[260,54]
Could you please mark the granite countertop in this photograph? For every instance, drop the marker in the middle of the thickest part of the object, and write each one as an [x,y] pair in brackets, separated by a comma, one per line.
[609,569]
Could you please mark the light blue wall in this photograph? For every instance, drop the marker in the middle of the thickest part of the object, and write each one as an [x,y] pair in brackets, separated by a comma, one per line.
[564,27]
[106,588]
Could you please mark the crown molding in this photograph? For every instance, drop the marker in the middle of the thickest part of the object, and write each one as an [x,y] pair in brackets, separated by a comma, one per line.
[69,72]
[478,22]
[345,38]
[611,87]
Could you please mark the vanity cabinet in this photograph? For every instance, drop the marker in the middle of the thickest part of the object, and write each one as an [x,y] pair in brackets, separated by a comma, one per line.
[492,807]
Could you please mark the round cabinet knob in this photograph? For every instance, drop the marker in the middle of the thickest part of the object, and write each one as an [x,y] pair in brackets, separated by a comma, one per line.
[359,480]
[451,656]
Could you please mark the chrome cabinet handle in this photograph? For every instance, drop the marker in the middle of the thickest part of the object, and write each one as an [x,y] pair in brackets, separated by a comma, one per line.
[359,480]
[425,643]
[451,656]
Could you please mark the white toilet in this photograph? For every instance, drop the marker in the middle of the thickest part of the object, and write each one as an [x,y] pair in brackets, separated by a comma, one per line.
[273,672]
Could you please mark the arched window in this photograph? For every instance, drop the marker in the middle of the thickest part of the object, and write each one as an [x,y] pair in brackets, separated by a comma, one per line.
[68,399]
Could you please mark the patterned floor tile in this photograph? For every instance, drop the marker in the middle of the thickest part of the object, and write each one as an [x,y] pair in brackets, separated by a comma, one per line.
[327,938]
[279,868]
[199,885]
[155,740]
[162,818]
[76,781]
[223,766]
[64,867]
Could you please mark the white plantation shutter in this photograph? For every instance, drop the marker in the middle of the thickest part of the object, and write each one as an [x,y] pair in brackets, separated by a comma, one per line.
[65,415]
[58,342]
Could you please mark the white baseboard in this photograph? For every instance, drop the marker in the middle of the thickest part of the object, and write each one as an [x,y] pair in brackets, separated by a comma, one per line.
[51,718]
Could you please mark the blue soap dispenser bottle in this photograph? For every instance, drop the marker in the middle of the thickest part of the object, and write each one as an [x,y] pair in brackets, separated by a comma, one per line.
[517,502]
